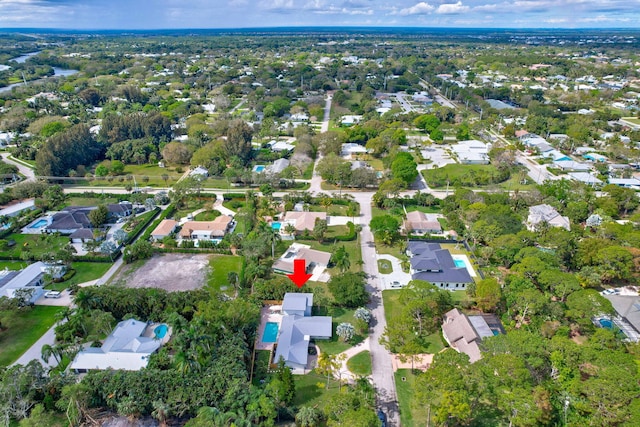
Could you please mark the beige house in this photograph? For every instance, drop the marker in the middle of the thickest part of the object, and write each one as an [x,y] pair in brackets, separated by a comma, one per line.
[420,223]
[164,229]
[204,230]
[313,259]
[302,220]
[465,333]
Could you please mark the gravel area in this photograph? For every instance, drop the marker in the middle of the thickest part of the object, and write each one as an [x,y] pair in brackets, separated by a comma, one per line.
[171,272]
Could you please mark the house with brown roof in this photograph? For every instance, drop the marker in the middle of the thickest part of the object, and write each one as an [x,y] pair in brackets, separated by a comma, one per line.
[302,220]
[420,223]
[465,333]
[164,229]
[206,230]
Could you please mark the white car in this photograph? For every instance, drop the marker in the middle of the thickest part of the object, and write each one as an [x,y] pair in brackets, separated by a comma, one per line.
[53,294]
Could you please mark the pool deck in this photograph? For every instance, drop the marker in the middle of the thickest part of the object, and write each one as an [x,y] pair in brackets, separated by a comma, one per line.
[467,263]
[150,332]
[267,314]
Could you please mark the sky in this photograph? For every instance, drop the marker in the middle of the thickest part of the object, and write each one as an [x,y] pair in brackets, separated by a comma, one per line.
[170,14]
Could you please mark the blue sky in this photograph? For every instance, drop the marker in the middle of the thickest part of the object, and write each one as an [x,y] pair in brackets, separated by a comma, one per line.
[155,14]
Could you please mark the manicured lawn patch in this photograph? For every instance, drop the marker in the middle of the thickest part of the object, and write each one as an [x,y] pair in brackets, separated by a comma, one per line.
[35,244]
[192,204]
[85,271]
[23,329]
[335,345]
[384,266]
[409,415]
[312,390]
[360,364]
[207,215]
[425,209]
[308,172]
[90,201]
[457,174]
[221,266]
[13,265]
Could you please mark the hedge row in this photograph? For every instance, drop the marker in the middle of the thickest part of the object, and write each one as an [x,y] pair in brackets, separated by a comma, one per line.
[194,250]
[141,226]
[230,196]
[97,258]
[171,209]
[352,235]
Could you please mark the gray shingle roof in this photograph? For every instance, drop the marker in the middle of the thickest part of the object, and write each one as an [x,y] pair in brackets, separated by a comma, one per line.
[430,256]
[295,334]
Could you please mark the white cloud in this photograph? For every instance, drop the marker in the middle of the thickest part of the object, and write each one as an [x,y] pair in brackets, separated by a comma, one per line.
[555,20]
[452,8]
[421,8]
[277,4]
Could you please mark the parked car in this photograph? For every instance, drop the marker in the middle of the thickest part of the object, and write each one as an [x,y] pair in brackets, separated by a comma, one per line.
[53,294]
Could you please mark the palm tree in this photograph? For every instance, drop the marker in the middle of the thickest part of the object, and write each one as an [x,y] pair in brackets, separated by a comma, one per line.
[341,259]
[290,229]
[233,279]
[47,351]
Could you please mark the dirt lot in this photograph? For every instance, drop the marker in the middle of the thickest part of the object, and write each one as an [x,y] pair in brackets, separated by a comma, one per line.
[171,272]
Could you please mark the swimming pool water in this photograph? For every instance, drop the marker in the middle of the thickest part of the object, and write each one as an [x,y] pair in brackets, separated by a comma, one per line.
[606,323]
[161,331]
[270,332]
[39,223]
[259,168]
[460,263]
[276,225]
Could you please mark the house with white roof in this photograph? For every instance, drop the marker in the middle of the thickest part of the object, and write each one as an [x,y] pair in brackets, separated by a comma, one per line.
[127,348]
[350,120]
[278,166]
[350,149]
[30,279]
[472,152]
[585,178]
[280,146]
[625,182]
[571,165]
[200,172]
[546,214]
[297,328]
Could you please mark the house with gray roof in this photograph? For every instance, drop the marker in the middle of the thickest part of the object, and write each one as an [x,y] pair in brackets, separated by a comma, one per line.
[433,264]
[128,347]
[70,219]
[278,166]
[298,328]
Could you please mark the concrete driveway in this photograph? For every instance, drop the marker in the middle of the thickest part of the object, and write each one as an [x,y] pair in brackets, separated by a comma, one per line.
[342,220]
[397,275]
[64,300]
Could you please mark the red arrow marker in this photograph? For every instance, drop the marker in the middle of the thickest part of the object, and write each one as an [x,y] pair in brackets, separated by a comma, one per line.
[299,276]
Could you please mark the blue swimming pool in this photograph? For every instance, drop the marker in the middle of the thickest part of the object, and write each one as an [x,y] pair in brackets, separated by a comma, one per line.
[606,323]
[276,225]
[270,332]
[258,168]
[460,263]
[39,223]
[161,331]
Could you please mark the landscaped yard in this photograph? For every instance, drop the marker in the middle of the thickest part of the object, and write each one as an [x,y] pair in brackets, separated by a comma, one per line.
[409,415]
[634,120]
[384,266]
[360,364]
[13,265]
[335,345]
[36,244]
[90,201]
[425,209]
[207,215]
[312,390]
[23,329]
[352,247]
[260,366]
[85,271]
[221,266]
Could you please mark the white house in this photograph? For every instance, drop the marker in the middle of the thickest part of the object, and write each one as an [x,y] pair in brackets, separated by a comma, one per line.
[128,348]
[350,120]
[351,148]
[31,279]
[545,213]
[199,172]
[280,146]
[472,152]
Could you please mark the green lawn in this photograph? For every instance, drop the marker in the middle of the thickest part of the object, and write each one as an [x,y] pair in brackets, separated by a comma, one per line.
[634,120]
[85,271]
[207,215]
[13,265]
[23,329]
[409,415]
[425,209]
[360,364]
[192,205]
[384,266]
[36,244]
[312,390]
[221,266]
[335,345]
[352,247]
[90,201]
